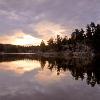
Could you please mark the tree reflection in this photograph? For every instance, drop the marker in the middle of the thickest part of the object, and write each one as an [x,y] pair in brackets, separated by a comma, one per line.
[80,68]
[84,69]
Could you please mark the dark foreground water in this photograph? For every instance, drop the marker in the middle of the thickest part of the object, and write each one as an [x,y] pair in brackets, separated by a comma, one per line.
[28,77]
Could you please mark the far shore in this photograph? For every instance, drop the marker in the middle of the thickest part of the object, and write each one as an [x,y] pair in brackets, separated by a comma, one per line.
[63,54]
[16,53]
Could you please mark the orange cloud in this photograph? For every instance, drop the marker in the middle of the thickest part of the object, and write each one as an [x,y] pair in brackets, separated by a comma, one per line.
[19,38]
[47,29]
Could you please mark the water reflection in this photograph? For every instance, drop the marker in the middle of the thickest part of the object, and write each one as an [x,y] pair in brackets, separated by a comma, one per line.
[31,77]
[80,68]
[87,69]
[20,66]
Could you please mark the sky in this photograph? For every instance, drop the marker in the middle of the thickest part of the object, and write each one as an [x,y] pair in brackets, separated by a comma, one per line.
[28,22]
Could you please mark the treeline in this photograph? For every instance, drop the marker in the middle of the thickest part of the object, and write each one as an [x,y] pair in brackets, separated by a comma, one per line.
[81,40]
[8,48]
[89,37]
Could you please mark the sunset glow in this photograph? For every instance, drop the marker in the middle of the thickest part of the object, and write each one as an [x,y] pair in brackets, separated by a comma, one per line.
[27,40]
[49,49]
[20,38]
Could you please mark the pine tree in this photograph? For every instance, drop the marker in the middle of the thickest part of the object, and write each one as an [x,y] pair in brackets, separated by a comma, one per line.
[43,46]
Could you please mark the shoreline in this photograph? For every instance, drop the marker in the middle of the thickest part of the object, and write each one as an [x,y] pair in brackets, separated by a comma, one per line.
[64,54]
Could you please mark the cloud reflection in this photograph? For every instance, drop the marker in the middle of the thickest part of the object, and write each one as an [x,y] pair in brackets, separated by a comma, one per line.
[20,67]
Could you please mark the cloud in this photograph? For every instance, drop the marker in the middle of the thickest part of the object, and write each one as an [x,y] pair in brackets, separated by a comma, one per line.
[19,38]
[48,29]
[49,16]
[10,15]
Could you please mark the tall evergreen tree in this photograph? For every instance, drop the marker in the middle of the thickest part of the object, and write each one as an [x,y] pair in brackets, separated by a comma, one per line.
[58,43]
[89,32]
[92,25]
[96,38]
[43,46]
[65,40]
[51,43]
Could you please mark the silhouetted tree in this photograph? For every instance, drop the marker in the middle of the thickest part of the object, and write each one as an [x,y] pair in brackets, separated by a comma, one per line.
[89,32]
[81,35]
[96,38]
[51,44]
[58,43]
[42,46]
[92,25]
[65,40]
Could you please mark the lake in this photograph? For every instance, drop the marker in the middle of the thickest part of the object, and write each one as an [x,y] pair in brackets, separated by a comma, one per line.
[28,77]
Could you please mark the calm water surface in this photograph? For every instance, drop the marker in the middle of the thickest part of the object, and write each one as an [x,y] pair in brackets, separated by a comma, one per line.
[33,78]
